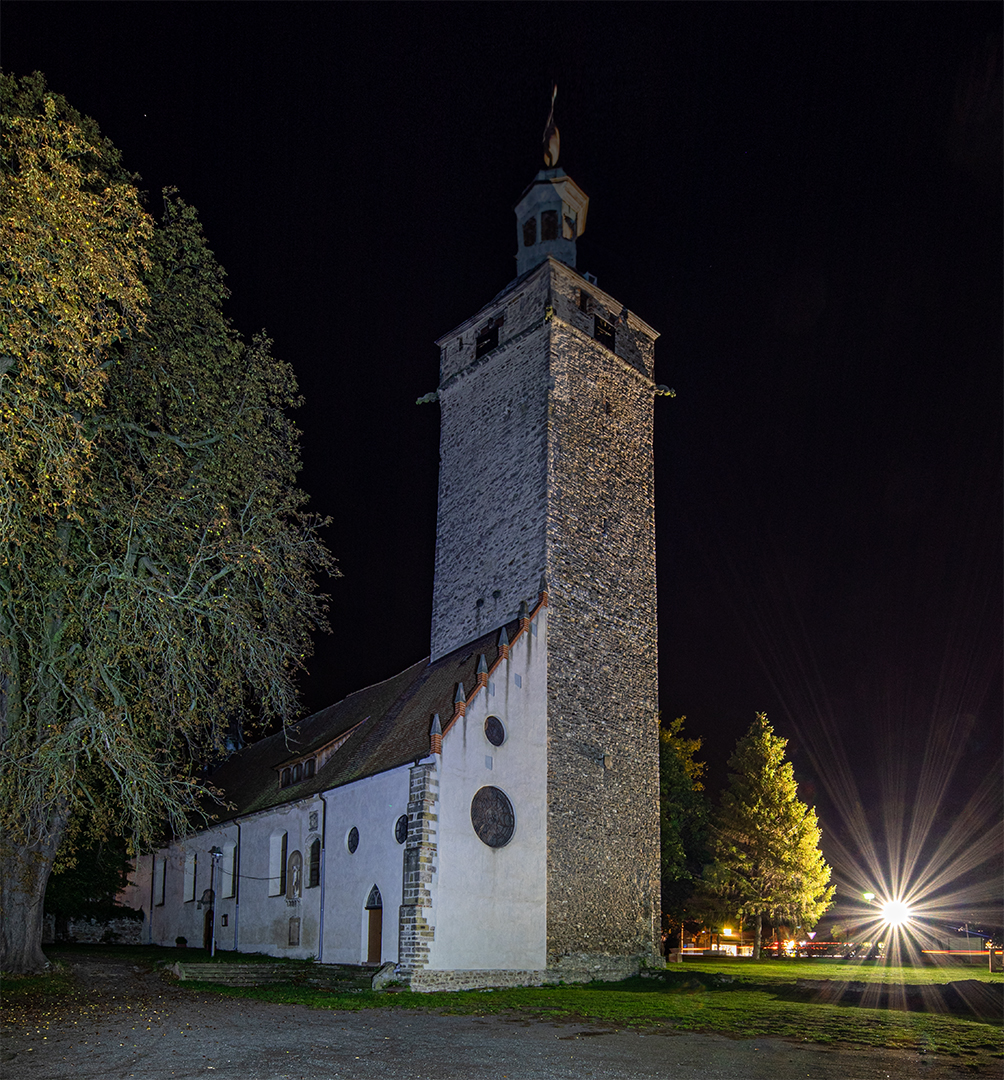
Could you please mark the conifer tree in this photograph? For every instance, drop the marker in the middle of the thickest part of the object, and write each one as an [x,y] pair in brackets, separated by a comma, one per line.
[683,819]
[766,841]
[156,563]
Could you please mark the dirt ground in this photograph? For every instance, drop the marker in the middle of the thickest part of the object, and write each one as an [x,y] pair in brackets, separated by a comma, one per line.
[131,1022]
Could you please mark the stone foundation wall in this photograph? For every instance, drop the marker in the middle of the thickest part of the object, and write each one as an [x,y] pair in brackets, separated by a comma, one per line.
[579,969]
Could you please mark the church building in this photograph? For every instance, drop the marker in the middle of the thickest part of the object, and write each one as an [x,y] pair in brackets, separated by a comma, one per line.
[489,816]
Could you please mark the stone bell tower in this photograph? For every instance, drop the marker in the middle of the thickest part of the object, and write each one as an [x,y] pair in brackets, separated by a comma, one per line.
[546,485]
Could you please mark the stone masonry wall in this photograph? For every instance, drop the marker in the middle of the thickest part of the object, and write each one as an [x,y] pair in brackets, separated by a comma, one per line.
[92,932]
[603,780]
[490,548]
[416,927]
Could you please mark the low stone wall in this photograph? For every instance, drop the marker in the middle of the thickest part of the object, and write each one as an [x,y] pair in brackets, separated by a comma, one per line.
[581,969]
[92,932]
[425,982]
[305,973]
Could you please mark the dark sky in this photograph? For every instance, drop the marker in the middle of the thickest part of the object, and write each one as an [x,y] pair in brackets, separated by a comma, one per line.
[804,199]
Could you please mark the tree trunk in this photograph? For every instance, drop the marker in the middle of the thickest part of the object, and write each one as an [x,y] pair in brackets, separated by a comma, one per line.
[757,935]
[24,875]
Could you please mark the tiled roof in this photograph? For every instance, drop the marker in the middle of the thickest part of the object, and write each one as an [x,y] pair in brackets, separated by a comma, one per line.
[393,718]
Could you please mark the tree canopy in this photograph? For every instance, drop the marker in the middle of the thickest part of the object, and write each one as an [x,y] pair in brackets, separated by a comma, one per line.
[156,561]
[683,819]
[766,842]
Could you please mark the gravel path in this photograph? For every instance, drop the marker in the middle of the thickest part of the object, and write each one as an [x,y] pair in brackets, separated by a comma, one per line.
[129,1022]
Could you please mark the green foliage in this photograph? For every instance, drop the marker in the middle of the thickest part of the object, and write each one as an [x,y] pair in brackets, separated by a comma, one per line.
[683,818]
[766,841]
[87,889]
[157,564]
[73,238]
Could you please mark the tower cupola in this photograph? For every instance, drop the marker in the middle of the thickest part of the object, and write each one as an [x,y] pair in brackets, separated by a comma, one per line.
[551,214]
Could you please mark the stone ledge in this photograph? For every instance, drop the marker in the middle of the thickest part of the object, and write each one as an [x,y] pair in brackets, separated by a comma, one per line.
[593,969]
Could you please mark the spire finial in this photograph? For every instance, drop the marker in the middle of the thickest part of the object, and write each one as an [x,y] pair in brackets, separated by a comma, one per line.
[552,140]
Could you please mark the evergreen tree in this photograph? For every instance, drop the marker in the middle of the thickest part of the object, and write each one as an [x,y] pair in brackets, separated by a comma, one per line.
[767,857]
[683,820]
[89,889]
[156,565]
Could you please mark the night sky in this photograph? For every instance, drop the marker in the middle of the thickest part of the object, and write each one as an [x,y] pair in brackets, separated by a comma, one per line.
[804,199]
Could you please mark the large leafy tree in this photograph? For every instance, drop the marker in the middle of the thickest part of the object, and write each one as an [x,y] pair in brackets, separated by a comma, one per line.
[683,820]
[768,861]
[156,563]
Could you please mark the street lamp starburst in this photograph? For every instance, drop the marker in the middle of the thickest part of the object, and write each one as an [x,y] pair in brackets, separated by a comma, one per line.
[896,913]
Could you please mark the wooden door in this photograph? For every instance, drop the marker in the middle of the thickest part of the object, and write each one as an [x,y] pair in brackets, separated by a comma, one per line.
[374,948]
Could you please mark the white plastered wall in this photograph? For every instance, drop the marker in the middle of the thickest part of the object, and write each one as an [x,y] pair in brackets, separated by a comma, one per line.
[263,920]
[490,904]
[176,915]
[372,806]
[258,921]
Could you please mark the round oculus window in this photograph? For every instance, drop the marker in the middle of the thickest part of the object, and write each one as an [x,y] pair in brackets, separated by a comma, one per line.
[401,829]
[494,731]
[492,817]
[352,842]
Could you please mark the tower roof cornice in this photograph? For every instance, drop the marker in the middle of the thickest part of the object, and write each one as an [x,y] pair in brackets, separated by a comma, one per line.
[635,322]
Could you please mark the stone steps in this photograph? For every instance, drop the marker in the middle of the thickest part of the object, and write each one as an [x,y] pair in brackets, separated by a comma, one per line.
[326,976]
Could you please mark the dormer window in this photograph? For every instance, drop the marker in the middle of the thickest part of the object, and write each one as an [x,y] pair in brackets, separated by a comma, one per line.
[300,770]
[294,772]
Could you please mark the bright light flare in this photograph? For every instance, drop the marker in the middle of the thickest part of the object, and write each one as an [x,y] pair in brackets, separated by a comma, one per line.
[896,913]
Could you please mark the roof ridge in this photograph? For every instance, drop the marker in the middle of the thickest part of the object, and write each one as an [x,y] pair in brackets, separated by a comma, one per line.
[525,618]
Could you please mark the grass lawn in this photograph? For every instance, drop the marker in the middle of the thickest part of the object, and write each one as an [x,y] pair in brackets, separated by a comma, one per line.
[747,998]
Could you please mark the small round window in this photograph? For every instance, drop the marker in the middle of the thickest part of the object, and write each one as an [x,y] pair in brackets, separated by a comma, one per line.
[494,731]
[401,829]
[353,839]
[492,817]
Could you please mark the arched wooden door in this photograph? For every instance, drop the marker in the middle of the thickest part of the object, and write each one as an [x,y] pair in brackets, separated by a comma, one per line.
[374,943]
